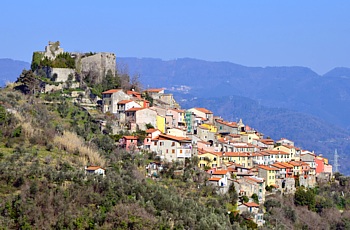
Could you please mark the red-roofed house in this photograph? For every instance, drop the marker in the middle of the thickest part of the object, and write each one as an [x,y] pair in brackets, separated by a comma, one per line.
[151,135]
[220,178]
[130,143]
[110,99]
[203,113]
[95,169]
[123,106]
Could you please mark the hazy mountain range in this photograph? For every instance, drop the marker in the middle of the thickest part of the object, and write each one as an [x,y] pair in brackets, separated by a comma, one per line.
[290,102]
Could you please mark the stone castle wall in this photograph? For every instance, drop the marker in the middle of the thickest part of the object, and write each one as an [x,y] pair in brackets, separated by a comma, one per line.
[98,65]
[59,74]
[52,50]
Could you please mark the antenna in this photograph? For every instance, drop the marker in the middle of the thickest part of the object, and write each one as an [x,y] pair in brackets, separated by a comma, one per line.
[336,164]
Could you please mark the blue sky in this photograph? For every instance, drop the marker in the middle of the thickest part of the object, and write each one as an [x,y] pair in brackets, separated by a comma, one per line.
[314,34]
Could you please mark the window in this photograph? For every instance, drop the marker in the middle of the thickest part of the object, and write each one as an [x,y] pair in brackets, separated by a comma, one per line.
[167,151]
[214,159]
[173,151]
[173,143]
[180,150]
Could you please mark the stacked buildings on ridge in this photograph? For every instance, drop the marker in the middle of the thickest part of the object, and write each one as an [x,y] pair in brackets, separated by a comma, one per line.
[231,152]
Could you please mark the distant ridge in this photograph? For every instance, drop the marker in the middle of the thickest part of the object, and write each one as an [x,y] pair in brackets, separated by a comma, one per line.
[296,88]
[10,70]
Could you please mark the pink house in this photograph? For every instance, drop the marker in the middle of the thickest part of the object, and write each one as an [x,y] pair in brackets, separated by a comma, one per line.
[319,165]
[129,142]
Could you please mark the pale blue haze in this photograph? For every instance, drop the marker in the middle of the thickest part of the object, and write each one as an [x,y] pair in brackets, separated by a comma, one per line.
[314,34]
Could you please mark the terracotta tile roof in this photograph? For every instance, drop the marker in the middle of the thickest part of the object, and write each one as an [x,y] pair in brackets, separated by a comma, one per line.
[295,163]
[204,142]
[201,152]
[268,167]
[267,141]
[154,90]
[122,102]
[284,164]
[93,168]
[203,127]
[204,110]
[151,130]
[111,91]
[130,137]
[251,204]
[230,124]
[220,172]
[279,166]
[237,154]
[134,109]
[180,139]
[255,179]
[135,94]
[288,146]
[214,179]
[275,152]
[178,110]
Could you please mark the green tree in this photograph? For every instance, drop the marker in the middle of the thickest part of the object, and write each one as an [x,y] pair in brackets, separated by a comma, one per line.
[255,198]
[304,197]
[30,82]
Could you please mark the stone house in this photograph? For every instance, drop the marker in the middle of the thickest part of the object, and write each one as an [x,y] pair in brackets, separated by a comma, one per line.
[225,127]
[110,99]
[123,106]
[204,113]
[138,118]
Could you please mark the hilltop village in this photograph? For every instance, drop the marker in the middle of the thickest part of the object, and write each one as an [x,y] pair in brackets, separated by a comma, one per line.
[233,154]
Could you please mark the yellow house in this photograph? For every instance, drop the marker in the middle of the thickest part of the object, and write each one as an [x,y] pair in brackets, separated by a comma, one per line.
[297,167]
[268,173]
[243,158]
[161,123]
[210,127]
[209,159]
[289,149]
[249,137]
[176,132]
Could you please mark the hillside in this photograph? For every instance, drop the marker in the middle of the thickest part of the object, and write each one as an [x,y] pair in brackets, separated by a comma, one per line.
[294,88]
[48,139]
[45,143]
